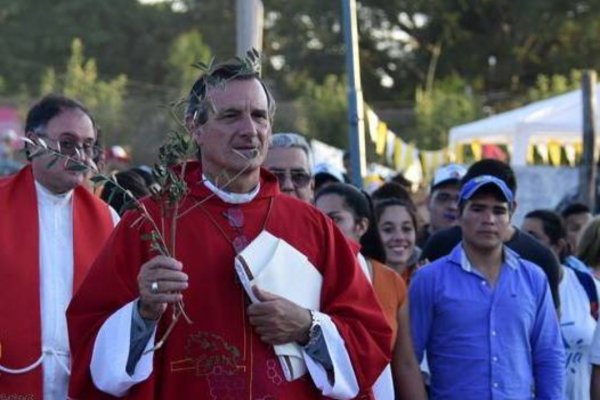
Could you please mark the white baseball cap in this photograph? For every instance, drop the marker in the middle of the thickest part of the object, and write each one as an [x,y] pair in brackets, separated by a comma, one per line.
[328,169]
[450,173]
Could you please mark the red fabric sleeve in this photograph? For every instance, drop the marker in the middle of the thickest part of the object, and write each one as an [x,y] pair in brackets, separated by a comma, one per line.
[88,311]
[348,298]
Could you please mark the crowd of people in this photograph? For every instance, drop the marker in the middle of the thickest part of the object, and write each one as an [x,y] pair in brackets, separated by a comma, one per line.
[274,278]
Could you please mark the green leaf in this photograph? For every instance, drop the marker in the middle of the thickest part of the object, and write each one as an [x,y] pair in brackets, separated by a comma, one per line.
[147,236]
[112,194]
[52,162]
[77,167]
[99,179]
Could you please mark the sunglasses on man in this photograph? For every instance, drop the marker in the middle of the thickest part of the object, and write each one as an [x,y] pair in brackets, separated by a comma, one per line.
[299,178]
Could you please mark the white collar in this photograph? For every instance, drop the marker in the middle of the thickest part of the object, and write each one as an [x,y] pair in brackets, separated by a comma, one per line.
[46,196]
[228,197]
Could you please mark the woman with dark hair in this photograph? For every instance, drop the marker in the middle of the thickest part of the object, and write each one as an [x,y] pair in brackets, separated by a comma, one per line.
[350,209]
[130,180]
[578,301]
[397,224]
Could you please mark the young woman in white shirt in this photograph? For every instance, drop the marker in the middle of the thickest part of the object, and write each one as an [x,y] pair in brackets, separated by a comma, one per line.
[576,320]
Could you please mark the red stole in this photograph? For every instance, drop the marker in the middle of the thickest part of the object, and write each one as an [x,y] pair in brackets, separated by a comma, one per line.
[20,320]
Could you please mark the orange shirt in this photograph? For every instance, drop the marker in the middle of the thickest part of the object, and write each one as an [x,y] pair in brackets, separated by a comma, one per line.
[390,290]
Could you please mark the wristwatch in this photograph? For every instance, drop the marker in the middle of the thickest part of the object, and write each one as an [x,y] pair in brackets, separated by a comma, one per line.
[314,332]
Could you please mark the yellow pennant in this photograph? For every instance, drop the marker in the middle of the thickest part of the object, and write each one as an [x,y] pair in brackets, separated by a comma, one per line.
[554,151]
[381,138]
[477,150]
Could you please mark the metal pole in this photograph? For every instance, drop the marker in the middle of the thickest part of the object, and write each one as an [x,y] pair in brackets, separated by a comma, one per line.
[588,170]
[249,21]
[355,98]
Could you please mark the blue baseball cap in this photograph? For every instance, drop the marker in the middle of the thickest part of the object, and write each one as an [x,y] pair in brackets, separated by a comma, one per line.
[473,185]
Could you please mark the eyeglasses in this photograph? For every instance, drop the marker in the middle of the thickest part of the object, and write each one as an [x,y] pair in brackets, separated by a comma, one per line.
[72,148]
[299,178]
[443,197]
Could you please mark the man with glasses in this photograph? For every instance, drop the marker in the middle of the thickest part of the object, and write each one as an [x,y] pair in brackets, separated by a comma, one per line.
[52,229]
[117,318]
[442,203]
[290,159]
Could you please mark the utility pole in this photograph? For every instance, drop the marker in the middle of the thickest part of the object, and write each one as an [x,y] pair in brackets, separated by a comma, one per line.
[355,98]
[588,169]
[249,24]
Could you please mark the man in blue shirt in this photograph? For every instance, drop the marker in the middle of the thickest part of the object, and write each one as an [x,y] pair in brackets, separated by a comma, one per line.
[483,314]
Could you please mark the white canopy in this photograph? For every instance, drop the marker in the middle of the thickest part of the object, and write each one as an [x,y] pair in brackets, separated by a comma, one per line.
[558,118]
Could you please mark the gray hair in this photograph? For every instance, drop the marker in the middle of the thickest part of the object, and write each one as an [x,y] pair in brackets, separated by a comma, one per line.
[290,140]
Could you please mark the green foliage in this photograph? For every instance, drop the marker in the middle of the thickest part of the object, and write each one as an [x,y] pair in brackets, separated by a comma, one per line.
[123,36]
[216,21]
[324,111]
[522,38]
[187,49]
[80,81]
[448,104]
[307,36]
[509,51]
[552,85]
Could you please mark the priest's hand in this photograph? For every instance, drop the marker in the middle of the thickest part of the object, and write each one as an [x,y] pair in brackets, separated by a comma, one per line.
[277,320]
[160,282]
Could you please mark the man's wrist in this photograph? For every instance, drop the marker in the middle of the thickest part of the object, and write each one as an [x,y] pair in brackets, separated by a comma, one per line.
[314,330]
[304,335]
[147,313]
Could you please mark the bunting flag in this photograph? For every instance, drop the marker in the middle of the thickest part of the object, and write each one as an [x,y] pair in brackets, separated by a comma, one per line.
[476,149]
[404,155]
[570,154]
[414,172]
[381,138]
[455,154]
[390,147]
[578,149]
[399,153]
[554,151]
[372,123]
[542,150]
[530,154]
[431,160]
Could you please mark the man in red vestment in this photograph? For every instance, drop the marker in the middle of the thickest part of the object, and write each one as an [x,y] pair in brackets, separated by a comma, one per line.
[226,352]
[52,229]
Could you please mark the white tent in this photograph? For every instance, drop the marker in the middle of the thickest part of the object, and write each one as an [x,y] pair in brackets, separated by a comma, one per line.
[555,119]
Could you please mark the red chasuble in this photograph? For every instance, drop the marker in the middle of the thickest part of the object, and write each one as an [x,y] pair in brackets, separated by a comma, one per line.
[219,356]
[20,320]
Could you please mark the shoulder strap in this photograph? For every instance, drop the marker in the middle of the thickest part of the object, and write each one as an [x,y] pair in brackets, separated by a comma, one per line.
[587,281]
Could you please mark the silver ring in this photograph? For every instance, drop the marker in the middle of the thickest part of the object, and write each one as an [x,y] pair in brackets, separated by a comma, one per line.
[154,287]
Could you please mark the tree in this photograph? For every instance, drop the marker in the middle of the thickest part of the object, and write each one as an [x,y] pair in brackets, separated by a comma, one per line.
[448,104]
[123,36]
[187,49]
[548,86]
[509,43]
[324,111]
[80,81]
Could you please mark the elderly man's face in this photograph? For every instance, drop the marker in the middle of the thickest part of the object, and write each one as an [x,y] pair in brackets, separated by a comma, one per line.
[291,167]
[235,138]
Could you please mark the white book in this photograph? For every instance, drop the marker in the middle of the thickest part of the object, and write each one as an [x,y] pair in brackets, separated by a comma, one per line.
[272,264]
